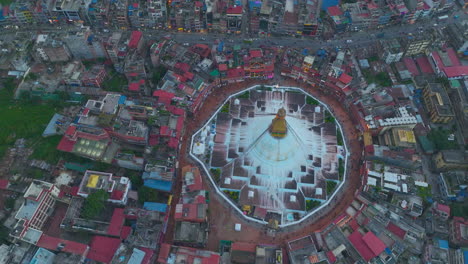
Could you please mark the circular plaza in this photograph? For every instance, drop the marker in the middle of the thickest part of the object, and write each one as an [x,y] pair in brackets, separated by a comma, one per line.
[275,154]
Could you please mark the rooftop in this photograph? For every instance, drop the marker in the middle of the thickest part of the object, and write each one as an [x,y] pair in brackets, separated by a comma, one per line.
[92,181]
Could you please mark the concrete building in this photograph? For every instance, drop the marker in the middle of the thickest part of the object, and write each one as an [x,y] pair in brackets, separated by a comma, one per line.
[85,45]
[457,35]
[458,94]
[94,77]
[339,19]
[70,10]
[50,50]
[39,201]
[117,187]
[451,160]
[437,103]
[459,231]
[415,44]
[392,51]
[400,137]
[173,254]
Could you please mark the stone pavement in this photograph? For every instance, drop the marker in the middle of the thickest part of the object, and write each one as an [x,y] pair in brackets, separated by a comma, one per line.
[222,217]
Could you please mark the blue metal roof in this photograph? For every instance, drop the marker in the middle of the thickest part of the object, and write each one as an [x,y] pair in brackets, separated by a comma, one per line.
[158,207]
[443,244]
[159,185]
[328,3]
[465,256]
[122,99]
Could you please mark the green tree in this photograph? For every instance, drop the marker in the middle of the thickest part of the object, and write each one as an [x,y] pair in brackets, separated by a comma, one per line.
[94,204]
[158,74]
[147,194]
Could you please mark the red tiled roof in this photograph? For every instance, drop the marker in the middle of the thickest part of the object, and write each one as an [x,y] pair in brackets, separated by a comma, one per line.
[335,11]
[411,66]
[424,65]
[243,246]
[187,212]
[444,208]
[331,257]
[345,78]
[53,243]
[180,124]
[354,224]
[453,57]
[237,72]
[198,4]
[135,39]
[184,67]
[102,248]
[116,222]
[369,149]
[70,131]
[256,53]
[455,71]
[85,112]
[339,218]
[164,97]
[173,142]
[396,230]
[356,239]
[164,253]
[66,144]
[74,190]
[153,140]
[189,75]
[126,230]
[175,110]
[234,10]
[222,67]
[148,255]
[165,131]
[197,180]
[4,184]
[134,87]
[374,243]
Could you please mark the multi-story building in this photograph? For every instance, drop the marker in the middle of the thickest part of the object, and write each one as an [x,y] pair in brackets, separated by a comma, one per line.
[450,160]
[98,13]
[360,15]
[234,19]
[70,10]
[339,19]
[441,210]
[51,50]
[39,201]
[157,14]
[459,231]
[309,13]
[94,77]
[117,187]
[415,44]
[393,51]
[85,46]
[458,94]
[114,46]
[437,103]
[118,14]
[457,35]
[400,137]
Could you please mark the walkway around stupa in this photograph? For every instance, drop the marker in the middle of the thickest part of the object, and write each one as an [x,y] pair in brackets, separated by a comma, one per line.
[222,217]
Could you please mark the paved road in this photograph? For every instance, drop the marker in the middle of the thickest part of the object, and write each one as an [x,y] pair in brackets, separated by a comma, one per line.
[357,38]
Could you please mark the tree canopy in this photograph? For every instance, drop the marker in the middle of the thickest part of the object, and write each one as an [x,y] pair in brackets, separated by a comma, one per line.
[94,204]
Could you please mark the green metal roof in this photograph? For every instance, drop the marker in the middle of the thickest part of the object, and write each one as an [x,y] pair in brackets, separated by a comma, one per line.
[215,72]
[426,144]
